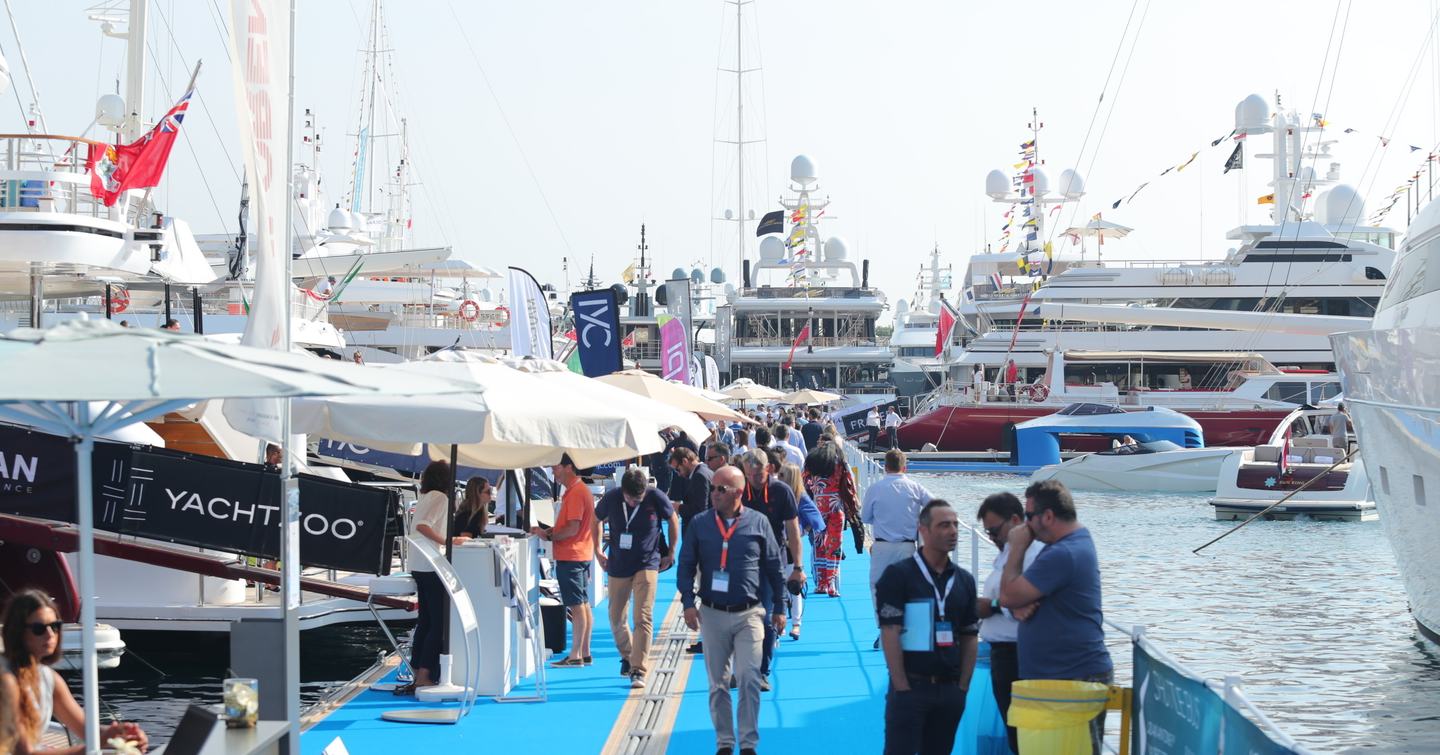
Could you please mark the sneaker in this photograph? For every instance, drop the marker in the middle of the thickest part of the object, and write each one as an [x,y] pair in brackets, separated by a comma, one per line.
[725,751]
[586,660]
[637,680]
[734,684]
[795,632]
[568,663]
[695,648]
[747,751]
[764,686]
[624,668]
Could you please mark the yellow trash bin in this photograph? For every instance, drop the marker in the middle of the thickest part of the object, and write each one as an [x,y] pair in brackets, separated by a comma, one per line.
[1053,716]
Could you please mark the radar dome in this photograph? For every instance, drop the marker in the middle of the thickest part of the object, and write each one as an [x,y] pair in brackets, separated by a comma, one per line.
[902,310]
[1341,205]
[997,184]
[1072,186]
[934,307]
[1042,181]
[717,276]
[109,109]
[835,250]
[697,275]
[621,295]
[772,249]
[802,170]
[677,273]
[1252,114]
[339,220]
[730,291]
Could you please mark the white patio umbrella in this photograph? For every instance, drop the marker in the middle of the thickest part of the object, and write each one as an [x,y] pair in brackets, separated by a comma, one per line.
[139,375]
[1101,229]
[678,395]
[810,397]
[746,389]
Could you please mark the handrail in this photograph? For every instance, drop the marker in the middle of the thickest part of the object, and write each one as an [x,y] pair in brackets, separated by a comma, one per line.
[57,137]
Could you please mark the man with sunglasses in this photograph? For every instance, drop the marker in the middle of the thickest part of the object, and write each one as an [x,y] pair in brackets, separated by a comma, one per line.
[999,514]
[1065,639]
[733,552]
[689,486]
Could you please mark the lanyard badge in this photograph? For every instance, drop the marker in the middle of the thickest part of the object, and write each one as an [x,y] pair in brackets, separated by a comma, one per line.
[944,630]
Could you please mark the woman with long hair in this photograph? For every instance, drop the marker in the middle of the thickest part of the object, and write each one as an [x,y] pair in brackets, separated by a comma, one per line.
[828,480]
[812,524]
[473,514]
[429,523]
[32,647]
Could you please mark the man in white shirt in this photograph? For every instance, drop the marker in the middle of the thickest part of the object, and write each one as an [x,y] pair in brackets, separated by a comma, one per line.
[1000,513]
[892,427]
[978,378]
[872,426]
[892,509]
[782,441]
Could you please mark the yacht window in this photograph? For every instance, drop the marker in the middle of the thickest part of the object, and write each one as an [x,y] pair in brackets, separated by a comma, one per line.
[1374,274]
[1419,483]
[1292,393]
[1413,274]
[1322,391]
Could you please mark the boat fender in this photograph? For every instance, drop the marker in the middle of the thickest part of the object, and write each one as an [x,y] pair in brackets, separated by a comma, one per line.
[469,310]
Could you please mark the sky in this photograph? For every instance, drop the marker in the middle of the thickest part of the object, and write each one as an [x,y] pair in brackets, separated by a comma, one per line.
[546,132]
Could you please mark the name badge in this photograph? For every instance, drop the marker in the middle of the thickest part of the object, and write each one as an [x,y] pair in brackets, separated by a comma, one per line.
[627,541]
[944,634]
[719,582]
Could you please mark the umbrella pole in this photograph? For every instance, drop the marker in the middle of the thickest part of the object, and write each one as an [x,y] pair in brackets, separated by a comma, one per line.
[85,515]
[525,507]
[449,546]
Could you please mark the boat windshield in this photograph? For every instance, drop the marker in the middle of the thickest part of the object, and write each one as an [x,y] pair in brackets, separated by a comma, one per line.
[1088,410]
[1152,447]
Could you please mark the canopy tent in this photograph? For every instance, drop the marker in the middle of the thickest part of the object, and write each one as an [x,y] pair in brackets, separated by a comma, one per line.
[808,397]
[677,395]
[140,374]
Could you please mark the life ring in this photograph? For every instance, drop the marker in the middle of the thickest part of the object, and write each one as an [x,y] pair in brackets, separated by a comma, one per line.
[505,315]
[119,300]
[1037,393]
[469,310]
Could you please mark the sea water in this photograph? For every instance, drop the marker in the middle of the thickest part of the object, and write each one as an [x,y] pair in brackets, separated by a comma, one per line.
[1310,615]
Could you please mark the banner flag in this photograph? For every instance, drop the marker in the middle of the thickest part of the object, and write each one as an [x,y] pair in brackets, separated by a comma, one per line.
[677,293]
[724,332]
[801,337]
[945,327]
[259,49]
[597,331]
[712,374]
[771,222]
[674,349]
[529,317]
[1236,159]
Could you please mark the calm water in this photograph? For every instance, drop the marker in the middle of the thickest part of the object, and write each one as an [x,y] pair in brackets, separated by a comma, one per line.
[1311,616]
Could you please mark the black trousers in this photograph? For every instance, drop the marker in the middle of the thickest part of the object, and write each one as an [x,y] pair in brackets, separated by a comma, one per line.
[1004,670]
[923,719]
[425,649]
[874,434]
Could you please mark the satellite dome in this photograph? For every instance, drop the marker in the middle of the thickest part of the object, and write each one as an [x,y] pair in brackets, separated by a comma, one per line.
[621,295]
[1341,205]
[662,295]
[934,307]
[109,109]
[835,250]
[772,249]
[697,275]
[802,170]
[902,310]
[729,291]
[1252,114]
[997,184]
[677,273]
[1072,186]
[717,276]
[339,220]
[1042,181]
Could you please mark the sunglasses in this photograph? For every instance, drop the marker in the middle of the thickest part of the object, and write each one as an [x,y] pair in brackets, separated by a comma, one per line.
[39,629]
[723,488]
[1032,515]
[993,531]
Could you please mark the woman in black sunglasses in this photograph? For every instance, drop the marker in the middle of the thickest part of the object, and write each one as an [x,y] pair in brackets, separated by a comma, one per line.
[32,647]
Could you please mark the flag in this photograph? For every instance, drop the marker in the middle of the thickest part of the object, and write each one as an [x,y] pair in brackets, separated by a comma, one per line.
[1240,137]
[1284,463]
[804,335]
[1028,144]
[1096,216]
[1236,160]
[1049,251]
[1319,119]
[945,326]
[1023,262]
[1349,130]
[1019,319]
[629,340]
[1186,164]
[1055,209]
[1032,236]
[1267,199]
[995,278]
[530,331]
[674,349]
[139,164]
[771,222]
[628,275]
[1414,148]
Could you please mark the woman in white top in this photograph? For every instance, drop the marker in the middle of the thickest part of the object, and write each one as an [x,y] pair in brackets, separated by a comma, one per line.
[32,647]
[429,523]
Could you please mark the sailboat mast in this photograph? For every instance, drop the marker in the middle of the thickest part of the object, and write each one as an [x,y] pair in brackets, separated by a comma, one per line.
[740,132]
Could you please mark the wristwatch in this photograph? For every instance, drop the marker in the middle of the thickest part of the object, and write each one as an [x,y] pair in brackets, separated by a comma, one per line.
[995,605]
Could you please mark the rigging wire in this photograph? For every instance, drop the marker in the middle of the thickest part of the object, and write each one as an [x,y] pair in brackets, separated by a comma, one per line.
[506,120]
[190,144]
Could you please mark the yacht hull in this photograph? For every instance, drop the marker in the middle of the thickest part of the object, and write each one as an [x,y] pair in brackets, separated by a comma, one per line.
[990,426]
[1192,470]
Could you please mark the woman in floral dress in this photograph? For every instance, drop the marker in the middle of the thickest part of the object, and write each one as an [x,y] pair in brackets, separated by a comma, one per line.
[833,489]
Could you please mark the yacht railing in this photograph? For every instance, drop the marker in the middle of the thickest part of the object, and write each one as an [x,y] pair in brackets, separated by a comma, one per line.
[42,173]
[821,341]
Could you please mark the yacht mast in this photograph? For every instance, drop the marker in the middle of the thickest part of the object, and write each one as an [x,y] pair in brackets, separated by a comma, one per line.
[740,130]
[134,124]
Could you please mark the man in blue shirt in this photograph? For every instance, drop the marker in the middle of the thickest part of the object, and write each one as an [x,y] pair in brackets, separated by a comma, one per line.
[633,512]
[892,509]
[730,552]
[773,498]
[1065,639]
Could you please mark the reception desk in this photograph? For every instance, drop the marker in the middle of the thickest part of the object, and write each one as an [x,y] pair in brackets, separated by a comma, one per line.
[505,652]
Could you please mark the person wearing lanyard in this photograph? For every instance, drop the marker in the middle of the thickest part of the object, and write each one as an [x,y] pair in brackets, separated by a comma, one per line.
[776,501]
[926,607]
[732,550]
[999,514]
[634,512]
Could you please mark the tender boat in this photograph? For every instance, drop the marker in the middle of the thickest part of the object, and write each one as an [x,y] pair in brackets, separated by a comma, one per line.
[1299,451]
[1154,449]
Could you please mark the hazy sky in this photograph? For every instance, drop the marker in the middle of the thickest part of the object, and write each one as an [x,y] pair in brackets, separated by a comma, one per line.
[604,115]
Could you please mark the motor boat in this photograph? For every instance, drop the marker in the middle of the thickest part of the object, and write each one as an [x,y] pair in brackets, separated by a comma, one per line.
[1151,465]
[1316,475]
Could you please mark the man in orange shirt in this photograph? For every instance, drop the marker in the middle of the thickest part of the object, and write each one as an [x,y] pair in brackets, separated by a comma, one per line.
[573,550]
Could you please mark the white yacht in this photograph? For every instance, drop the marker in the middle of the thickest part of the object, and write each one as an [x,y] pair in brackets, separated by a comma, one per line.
[1392,392]
[788,289]
[917,368]
[1320,268]
[1286,467]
